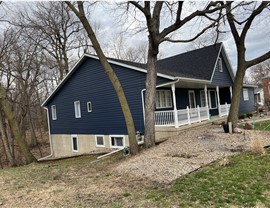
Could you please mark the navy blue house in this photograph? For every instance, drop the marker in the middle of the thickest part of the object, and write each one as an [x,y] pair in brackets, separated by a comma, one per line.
[84,113]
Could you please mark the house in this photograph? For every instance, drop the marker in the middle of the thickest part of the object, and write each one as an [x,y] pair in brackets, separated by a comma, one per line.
[259,96]
[266,89]
[84,113]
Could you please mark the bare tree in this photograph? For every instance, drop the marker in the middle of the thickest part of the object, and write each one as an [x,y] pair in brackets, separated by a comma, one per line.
[152,12]
[257,72]
[240,27]
[79,11]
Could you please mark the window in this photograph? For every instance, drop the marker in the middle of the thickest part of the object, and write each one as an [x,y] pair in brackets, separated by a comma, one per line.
[89,106]
[100,141]
[245,94]
[219,65]
[203,99]
[54,116]
[163,99]
[77,108]
[117,141]
[74,143]
[192,101]
[212,99]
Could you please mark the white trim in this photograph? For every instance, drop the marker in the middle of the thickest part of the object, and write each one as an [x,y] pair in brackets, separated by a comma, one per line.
[219,64]
[174,106]
[72,144]
[245,94]
[87,105]
[77,113]
[193,80]
[98,145]
[209,99]
[54,112]
[123,136]
[194,99]
[214,70]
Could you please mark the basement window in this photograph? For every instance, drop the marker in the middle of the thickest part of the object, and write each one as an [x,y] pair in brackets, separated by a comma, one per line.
[100,141]
[117,141]
[74,142]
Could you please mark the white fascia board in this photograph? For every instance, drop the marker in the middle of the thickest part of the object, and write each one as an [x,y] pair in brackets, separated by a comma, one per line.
[193,80]
[213,72]
[228,63]
[64,80]
[132,67]
[250,85]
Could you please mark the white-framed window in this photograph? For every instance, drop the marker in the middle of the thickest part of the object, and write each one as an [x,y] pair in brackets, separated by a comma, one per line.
[219,65]
[212,99]
[77,109]
[117,141]
[74,143]
[100,141]
[203,98]
[163,99]
[245,94]
[89,107]
[54,115]
[192,100]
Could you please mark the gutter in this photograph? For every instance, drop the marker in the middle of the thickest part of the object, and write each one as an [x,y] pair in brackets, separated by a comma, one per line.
[50,138]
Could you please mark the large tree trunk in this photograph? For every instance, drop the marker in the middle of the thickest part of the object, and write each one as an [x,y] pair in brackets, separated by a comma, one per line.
[112,76]
[4,137]
[15,128]
[236,94]
[150,98]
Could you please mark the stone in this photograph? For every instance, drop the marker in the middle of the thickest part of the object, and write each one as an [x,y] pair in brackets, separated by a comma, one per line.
[248,126]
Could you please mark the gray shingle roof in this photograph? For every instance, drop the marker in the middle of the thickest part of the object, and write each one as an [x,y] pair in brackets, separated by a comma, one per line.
[196,64]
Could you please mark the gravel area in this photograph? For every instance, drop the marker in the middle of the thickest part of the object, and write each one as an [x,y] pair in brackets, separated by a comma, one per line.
[188,151]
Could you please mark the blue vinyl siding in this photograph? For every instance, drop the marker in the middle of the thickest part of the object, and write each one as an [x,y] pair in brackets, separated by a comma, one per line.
[89,83]
[247,106]
[222,78]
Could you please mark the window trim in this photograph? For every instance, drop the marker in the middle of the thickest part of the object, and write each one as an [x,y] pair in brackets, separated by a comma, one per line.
[169,102]
[209,99]
[72,142]
[245,95]
[202,93]
[219,63]
[98,145]
[79,115]
[54,112]
[89,110]
[111,146]
[194,98]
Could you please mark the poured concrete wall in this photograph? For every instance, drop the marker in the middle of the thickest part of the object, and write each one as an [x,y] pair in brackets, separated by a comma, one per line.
[62,144]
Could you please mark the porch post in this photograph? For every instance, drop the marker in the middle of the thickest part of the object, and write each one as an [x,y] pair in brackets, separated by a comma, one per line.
[217,89]
[174,107]
[231,91]
[206,100]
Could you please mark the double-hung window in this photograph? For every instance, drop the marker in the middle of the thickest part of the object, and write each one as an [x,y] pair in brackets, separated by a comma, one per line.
[163,99]
[219,65]
[54,115]
[245,94]
[77,108]
[203,98]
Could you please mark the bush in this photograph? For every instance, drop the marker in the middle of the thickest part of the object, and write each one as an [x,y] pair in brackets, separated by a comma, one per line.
[242,116]
[249,114]
[257,146]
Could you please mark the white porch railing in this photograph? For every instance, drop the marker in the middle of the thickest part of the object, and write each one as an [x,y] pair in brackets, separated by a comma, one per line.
[224,109]
[184,116]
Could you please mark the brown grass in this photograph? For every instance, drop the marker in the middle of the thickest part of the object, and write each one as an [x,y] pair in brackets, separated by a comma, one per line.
[257,145]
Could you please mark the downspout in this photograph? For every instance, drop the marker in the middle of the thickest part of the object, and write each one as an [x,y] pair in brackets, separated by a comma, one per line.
[161,85]
[50,138]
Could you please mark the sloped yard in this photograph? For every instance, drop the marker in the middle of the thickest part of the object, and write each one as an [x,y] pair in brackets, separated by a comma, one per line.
[149,179]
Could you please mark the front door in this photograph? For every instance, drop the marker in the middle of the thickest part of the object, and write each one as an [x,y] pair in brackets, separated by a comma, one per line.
[192,101]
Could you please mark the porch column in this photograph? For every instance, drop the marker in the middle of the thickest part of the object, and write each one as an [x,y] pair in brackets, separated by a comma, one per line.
[206,100]
[218,100]
[231,92]
[174,107]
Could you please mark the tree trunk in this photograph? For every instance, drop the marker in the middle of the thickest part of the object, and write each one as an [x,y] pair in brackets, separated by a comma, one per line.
[112,76]
[236,94]
[15,128]
[4,137]
[150,98]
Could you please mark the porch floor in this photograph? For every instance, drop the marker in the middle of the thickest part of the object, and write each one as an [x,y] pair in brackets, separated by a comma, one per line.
[168,131]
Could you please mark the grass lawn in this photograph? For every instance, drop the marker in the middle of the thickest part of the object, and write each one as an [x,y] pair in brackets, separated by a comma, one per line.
[77,182]
[263,126]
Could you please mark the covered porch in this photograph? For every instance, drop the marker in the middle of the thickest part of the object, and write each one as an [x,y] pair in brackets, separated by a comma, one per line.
[186,102]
